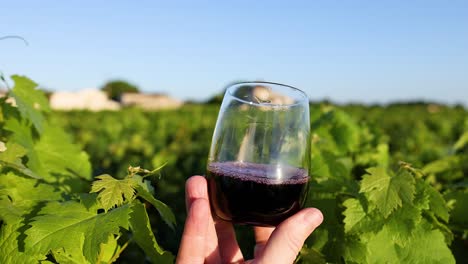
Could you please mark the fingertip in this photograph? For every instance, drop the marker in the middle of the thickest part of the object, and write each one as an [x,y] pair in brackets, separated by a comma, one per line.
[195,181]
[196,187]
[313,216]
[290,235]
[307,217]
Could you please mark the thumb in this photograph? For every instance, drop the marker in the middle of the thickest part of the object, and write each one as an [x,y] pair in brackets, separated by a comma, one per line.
[287,239]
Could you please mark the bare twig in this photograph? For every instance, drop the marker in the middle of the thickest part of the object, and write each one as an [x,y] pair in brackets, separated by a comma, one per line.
[15,37]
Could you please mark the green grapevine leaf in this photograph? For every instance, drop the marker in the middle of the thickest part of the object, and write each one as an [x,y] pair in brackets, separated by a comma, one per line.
[387,192]
[357,220]
[422,198]
[329,238]
[433,207]
[12,153]
[402,224]
[145,191]
[22,134]
[354,214]
[9,213]
[46,156]
[59,222]
[11,158]
[24,193]
[113,192]
[427,246]
[355,251]
[110,251]
[61,158]
[381,249]
[30,101]
[9,250]
[89,200]
[143,235]
[437,203]
[8,111]
[67,257]
[310,255]
[19,198]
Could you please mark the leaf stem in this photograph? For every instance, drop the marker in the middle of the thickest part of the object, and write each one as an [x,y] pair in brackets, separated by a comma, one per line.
[117,254]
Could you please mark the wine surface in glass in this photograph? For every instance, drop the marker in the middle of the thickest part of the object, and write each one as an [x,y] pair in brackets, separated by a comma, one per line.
[245,193]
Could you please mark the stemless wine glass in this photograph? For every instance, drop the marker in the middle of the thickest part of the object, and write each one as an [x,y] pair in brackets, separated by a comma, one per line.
[260,154]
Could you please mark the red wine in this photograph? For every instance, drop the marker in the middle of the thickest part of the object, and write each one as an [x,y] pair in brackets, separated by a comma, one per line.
[247,193]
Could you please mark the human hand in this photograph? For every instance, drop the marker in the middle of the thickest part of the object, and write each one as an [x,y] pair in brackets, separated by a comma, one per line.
[213,241]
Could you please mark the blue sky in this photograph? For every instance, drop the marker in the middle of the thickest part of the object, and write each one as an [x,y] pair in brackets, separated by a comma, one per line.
[348,51]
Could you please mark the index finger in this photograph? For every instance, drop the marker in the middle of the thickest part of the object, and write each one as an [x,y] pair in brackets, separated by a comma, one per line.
[196,188]
[192,246]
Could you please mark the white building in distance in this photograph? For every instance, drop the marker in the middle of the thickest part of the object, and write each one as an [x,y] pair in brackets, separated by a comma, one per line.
[150,101]
[88,99]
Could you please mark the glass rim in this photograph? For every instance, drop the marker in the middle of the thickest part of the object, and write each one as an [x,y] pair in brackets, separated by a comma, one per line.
[304,97]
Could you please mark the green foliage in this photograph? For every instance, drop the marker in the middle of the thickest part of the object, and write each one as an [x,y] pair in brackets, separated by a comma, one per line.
[375,213]
[145,191]
[46,214]
[113,192]
[391,232]
[377,209]
[365,192]
[387,192]
[142,235]
[116,88]
[11,157]
[29,100]
[428,246]
[56,223]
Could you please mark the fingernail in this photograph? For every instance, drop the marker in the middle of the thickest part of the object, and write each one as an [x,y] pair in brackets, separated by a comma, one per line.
[313,216]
